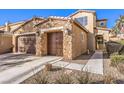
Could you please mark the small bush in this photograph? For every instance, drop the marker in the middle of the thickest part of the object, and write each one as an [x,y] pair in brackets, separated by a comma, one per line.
[120,67]
[116,59]
[121,42]
[108,79]
[64,79]
[83,78]
[41,78]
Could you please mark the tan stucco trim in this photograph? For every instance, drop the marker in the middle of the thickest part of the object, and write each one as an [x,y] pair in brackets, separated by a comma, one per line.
[52,29]
[79,11]
[100,28]
[27,33]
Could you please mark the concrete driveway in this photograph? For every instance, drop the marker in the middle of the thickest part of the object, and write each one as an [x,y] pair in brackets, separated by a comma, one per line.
[14,68]
[10,60]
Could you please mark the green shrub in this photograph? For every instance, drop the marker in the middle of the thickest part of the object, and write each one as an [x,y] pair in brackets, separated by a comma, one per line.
[116,59]
[121,42]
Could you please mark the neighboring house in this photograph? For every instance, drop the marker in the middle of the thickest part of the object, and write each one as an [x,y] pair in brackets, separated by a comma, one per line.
[5,42]
[60,36]
[102,33]
[98,31]
[10,26]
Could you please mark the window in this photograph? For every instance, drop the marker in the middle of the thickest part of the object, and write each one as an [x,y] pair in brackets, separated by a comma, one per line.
[101,24]
[82,20]
[82,36]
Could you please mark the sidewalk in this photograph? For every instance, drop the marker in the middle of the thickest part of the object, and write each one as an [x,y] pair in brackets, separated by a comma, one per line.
[95,64]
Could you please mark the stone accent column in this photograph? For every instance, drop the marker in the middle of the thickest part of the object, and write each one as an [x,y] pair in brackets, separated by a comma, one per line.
[14,43]
[41,44]
[67,45]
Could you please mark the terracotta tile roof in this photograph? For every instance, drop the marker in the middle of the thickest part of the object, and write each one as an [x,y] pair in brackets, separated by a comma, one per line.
[59,17]
[62,18]
[53,17]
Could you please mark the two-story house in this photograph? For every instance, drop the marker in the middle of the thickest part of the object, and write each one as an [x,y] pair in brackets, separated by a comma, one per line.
[60,36]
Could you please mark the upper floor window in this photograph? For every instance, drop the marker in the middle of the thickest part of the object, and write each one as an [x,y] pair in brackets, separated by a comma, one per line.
[82,36]
[82,20]
[102,24]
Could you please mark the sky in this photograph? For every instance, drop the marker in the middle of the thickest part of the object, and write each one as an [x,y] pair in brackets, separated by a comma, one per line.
[16,15]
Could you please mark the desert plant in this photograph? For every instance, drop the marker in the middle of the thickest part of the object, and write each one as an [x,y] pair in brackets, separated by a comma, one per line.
[64,79]
[41,78]
[83,78]
[108,79]
[121,42]
[116,59]
[120,68]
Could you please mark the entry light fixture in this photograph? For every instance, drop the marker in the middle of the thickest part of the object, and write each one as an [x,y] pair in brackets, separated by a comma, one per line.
[67,31]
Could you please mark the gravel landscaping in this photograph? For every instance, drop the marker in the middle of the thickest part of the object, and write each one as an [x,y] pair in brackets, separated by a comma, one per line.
[68,76]
[112,71]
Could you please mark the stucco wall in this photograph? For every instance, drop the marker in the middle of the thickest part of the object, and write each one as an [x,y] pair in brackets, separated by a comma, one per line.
[91,17]
[104,33]
[5,43]
[79,41]
[99,23]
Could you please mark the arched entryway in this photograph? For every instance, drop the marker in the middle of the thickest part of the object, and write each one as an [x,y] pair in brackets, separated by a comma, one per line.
[99,42]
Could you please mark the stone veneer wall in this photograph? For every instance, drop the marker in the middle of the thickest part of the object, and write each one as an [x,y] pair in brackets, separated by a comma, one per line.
[41,44]
[67,45]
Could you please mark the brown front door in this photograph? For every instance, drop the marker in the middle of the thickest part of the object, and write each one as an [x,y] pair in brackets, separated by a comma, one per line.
[55,43]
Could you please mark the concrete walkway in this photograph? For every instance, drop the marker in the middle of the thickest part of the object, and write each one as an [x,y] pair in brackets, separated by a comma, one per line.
[20,72]
[68,65]
[95,64]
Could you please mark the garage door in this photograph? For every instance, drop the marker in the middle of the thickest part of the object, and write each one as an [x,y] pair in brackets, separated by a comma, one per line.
[26,44]
[55,43]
